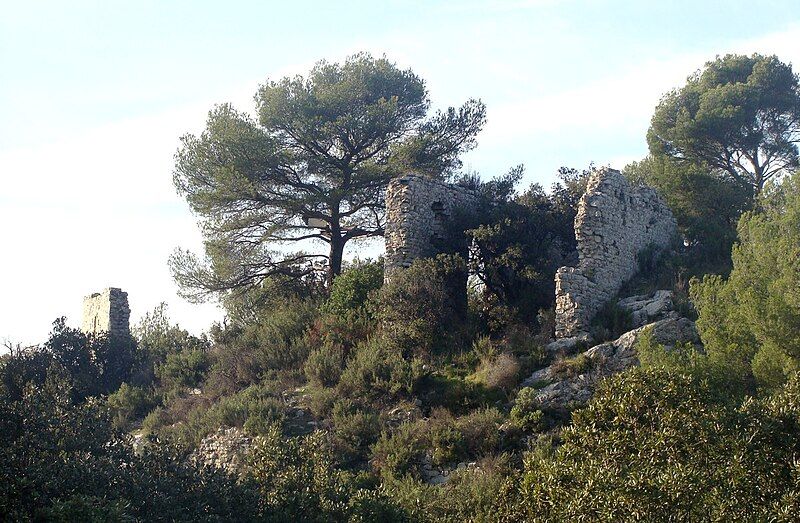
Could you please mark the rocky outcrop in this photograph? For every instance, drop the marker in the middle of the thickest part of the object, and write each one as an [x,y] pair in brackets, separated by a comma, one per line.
[226,449]
[616,223]
[647,308]
[570,383]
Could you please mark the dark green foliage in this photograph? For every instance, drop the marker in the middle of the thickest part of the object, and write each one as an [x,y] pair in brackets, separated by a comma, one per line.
[379,372]
[398,452]
[740,116]
[275,341]
[297,482]
[415,308]
[521,240]
[183,369]
[325,365]
[189,419]
[651,447]
[467,496]
[94,365]
[349,292]
[750,323]
[61,460]
[129,404]
[158,338]
[355,429]
[446,439]
[705,206]
[525,413]
[610,322]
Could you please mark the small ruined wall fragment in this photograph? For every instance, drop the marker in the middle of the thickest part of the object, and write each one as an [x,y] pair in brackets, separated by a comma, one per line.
[106,311]
[616,221]
[418,214]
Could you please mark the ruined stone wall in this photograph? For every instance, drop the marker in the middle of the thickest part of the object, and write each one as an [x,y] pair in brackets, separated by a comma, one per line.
[418,212]
[616,221]
[106,311]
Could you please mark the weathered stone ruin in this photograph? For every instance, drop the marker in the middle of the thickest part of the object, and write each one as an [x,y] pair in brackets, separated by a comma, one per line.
[106,311]
[419,211]
[616,224]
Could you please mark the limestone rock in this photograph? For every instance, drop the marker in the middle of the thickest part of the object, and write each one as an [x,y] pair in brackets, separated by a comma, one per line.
[226,449]
[647,308]
[564,393]
[418,211]
[106,311]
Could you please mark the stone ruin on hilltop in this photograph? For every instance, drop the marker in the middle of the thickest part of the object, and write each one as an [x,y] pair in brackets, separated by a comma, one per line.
[616,223]
[419,211]
[106,311]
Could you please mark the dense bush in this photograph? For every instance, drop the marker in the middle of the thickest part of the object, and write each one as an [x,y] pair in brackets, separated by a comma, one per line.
[62,461]
[189,419]
[297,482]
[130,403]
[750,323]
[354,429]
[525,413]
[416,307]
[378,371]
[520,242]
[650,446]
[350,290]
[183,369]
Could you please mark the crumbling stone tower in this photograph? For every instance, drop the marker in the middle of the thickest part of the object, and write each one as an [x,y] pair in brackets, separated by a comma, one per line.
[106,311]
[616,223]
[421,221]
[419,212]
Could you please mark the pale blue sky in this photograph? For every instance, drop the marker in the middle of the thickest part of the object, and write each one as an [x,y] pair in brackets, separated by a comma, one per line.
[93,96]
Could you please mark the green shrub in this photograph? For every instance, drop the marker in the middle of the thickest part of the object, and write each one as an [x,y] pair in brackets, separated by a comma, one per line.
[750,323]
[468,495]
[129,404]
[183,369]
[379,372]
[350,290]
[398,452]
[456,394]
[191,418]
[610,322]
[652,446]
[325,365]
[525,413]
[569,367]
[481,431]
[354,429]
[297,482]
[416,307]
[88,508]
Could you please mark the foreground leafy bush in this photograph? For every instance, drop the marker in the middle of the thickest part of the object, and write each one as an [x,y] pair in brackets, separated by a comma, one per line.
[651,447]
[130,403]
[350,290]
[417,308]
[188,419]
[297,482]
[62,461]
